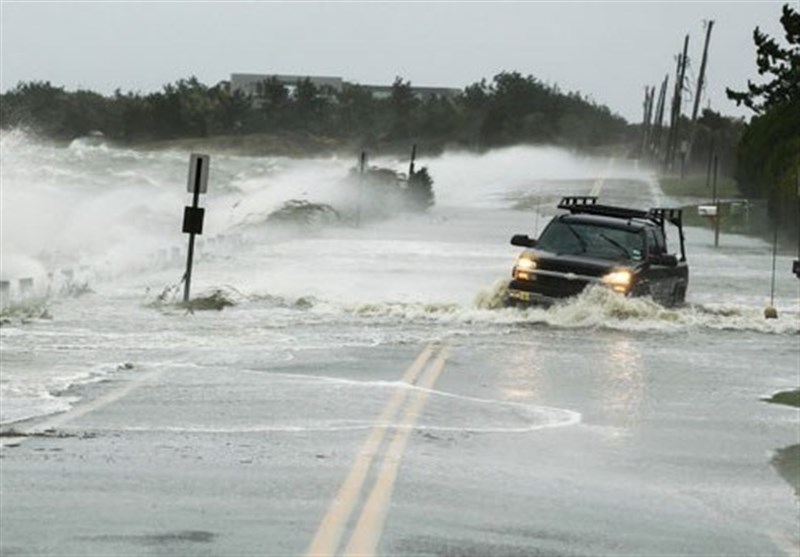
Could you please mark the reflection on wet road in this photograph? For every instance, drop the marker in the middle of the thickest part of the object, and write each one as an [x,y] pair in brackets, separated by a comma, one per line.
[366,393]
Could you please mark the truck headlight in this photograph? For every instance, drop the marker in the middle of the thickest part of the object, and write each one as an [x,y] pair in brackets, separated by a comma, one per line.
[525,263]
[619,280]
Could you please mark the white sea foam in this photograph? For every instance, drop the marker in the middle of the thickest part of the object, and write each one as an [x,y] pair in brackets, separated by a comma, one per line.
[113,216]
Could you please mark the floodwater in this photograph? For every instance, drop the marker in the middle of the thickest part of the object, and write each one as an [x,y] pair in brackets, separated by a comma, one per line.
[648,419]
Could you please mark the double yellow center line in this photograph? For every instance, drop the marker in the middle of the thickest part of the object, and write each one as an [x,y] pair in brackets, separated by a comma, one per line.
[366,533]
[598,184]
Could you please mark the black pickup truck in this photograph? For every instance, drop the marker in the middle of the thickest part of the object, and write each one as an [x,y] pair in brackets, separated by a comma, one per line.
[619,248]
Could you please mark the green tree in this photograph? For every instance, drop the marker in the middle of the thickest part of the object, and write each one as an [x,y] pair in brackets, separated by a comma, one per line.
[509,109]
[195,107]
[273,97]
[356,111]
[780,63]
[403,104]
[36,105]
[438,117]
[230,110]
[166,109]
[768,156]
[308,104]
[136,116]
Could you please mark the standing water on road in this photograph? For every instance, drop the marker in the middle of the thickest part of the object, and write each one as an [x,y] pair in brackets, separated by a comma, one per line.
[98,230]
[109,219]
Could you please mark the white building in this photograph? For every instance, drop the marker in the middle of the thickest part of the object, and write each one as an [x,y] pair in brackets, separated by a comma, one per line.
[248,83]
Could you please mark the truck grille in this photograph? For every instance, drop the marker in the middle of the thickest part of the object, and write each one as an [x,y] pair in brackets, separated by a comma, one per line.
[553,287]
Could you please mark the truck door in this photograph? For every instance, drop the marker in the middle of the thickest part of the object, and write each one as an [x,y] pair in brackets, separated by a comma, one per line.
[662,279]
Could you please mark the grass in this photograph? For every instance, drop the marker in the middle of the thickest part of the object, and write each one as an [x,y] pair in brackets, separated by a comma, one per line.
[736,218]
[695,186]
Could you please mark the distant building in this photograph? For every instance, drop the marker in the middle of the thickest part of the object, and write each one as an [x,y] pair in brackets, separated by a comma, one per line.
[248,83]
[385,91]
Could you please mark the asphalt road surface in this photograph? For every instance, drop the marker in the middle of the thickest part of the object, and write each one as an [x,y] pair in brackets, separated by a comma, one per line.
[478,447]
[366,395]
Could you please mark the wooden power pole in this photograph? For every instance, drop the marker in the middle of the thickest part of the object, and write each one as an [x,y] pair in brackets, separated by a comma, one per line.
[700,83]
[658,123]
[649,93]
[675,116]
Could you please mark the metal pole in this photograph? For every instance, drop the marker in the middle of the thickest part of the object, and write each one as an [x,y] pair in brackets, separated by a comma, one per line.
[361,168]
[683,162]
[796,263]
[716,205]
[774,259]
[710,161]
[190,251]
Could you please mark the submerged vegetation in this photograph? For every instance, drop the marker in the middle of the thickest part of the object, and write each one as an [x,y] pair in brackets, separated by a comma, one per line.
[789,398]
[216,299]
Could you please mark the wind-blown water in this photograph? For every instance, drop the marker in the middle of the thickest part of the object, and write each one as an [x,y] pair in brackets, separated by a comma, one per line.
[105,223]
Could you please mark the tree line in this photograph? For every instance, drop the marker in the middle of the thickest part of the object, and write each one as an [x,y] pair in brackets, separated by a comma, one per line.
[509,109]
[768,155]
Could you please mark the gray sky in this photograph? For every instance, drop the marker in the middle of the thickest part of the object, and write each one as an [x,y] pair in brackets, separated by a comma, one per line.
[606,50]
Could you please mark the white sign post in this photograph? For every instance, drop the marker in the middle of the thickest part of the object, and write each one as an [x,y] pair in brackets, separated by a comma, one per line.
[198,173]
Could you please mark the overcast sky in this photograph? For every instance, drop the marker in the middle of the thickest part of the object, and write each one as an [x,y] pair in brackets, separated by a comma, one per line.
[608,51]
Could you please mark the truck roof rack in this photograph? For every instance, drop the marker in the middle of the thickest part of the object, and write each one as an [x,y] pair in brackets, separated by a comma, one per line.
[659,215]
[589,205]
[674,216]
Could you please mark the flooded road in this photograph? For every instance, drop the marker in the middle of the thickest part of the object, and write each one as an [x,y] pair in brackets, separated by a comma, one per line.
[366,393]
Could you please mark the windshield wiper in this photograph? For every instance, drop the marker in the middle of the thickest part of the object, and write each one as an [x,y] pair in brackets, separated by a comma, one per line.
[616,244]
[580,238]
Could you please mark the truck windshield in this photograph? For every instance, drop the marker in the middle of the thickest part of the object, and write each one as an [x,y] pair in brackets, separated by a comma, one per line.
[593,240]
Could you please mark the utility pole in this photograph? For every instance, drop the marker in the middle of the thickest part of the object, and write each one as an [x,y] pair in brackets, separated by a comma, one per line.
[651,114]
[362,168]
[680,75]
[701,77]
[796,262]
[649,93]
[716,206]
[659,117]
[700,83]
[710,162]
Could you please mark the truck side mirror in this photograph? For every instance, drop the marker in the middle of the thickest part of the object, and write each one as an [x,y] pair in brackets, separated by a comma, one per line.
[667,260]
[523,240]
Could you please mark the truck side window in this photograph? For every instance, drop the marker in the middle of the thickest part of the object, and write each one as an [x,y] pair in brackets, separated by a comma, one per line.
[655,242]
